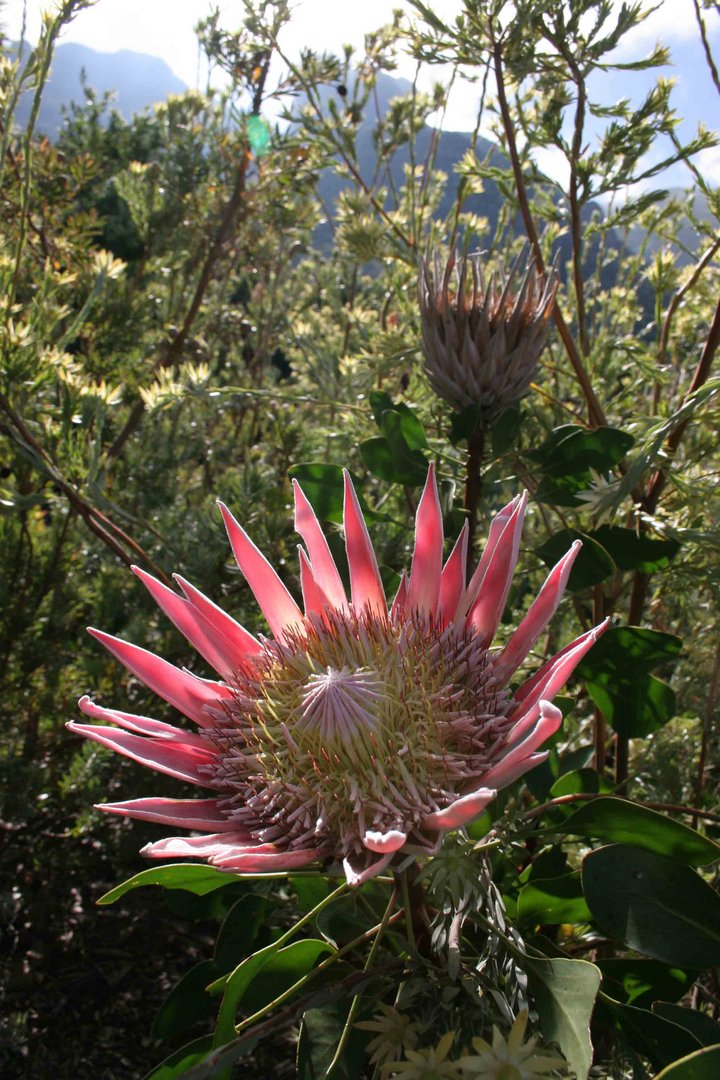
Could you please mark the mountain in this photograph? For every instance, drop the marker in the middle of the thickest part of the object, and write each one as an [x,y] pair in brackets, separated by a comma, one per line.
[448,147]
[135,80]
[690,243]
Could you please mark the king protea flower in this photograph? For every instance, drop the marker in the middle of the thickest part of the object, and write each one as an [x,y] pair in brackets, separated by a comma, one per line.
[482,342]
[358,732]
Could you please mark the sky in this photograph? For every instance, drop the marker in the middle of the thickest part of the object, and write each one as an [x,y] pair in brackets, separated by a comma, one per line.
[164,28]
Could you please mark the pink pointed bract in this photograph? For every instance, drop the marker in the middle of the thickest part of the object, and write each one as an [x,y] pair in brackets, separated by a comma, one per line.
[362,730]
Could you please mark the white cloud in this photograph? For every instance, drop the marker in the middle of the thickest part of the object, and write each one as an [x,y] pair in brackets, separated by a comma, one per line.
[708,163]
[673,21]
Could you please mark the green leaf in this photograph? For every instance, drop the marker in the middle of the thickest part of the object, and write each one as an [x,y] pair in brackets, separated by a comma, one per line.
[194,877]
[616,673]
[283,970]
[505,430]
[340,922]
[622,649]
[564,992]
[579,781]
[572,450]
[412,430]
[402,422]
[214,905]
[380,402]
[654,905]
[463,424]
[631,551]
[553,901]
[625,822]
[239,931]
[179,1062]
[591,566]
[703,1027]
[296,959]
[634,980]
[309,890]
[319,1036]
[567,456]
[324,487]
[657,1039]
[634,708]
[187,1003]
[407,467]
[700,1065]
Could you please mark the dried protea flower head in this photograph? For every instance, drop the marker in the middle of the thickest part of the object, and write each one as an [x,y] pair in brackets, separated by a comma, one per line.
[360,731]
[482,340]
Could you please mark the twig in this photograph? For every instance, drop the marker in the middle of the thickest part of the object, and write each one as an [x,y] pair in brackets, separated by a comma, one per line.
[595,411]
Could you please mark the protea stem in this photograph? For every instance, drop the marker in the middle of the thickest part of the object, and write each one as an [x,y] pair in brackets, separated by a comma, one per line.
[473,486]
[417,918]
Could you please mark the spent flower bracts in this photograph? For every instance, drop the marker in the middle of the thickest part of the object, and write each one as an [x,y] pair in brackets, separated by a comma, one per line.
[359,732]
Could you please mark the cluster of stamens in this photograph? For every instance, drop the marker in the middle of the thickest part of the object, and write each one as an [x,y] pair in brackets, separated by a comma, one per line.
[356,724]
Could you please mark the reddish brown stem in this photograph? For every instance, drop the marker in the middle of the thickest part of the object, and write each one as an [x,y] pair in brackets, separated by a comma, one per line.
[595,411]
[702,372]
[707,725]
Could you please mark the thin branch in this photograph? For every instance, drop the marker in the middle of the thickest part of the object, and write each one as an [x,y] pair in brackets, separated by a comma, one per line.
[702,373]
[595,411]
[706,46]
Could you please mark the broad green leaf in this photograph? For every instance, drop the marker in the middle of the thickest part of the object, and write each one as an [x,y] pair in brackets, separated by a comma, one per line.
[634,707]
[701,1065]
[380,402]
[568,455]
[655,1038]
[591,566]
[654,905]
[703,1027]
[400,421]
[239,931]
[616,674]
[195,877]
[572,450]
[630,551]
[625,822]
[564,992]
[309,890]
[213,905]
[319,1036]
[340,922]
[624,649]
[324,487]
[553,901]
[464,423]
[297,958]
[178,1063]
[505,430]
[187,1003]
[634,980]
[579,781]
[283,970]
[406,467]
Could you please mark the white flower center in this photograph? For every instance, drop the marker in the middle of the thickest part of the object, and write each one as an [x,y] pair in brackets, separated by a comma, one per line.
[340,704]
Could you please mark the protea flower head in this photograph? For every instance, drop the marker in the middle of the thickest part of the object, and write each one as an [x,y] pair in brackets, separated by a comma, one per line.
[482,342]
[358,732]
